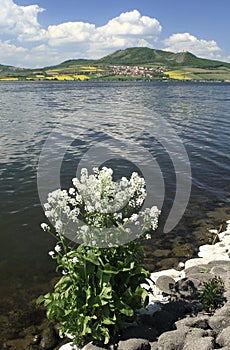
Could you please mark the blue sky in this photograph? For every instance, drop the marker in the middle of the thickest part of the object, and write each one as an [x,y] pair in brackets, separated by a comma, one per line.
[37,33]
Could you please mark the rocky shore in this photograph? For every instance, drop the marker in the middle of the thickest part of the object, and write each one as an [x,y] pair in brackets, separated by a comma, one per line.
[175,319]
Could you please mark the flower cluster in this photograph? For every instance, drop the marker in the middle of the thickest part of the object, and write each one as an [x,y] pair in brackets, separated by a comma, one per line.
[101,212]
[89,301]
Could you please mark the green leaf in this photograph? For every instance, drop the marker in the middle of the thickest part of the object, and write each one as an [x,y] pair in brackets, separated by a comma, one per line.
[125,309]
[40,300]
[91,257]
[109,269]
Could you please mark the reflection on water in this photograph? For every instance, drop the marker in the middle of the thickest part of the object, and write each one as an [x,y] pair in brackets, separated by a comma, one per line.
[88,114]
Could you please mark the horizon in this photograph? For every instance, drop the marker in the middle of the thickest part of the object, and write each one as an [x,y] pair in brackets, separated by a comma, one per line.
[89,59]
[37,33]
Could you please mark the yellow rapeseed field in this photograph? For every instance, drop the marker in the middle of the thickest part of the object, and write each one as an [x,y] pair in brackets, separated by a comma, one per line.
[80,77]
[8,79]
[178,74]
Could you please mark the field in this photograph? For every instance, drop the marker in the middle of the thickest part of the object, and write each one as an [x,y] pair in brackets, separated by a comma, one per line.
[128,64]
[179,74]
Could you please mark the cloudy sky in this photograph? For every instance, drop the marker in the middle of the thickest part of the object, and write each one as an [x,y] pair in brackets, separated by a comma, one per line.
[37,33]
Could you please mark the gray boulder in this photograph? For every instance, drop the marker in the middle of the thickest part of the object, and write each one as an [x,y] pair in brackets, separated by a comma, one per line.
[206,343]
[223,338]
[134,344]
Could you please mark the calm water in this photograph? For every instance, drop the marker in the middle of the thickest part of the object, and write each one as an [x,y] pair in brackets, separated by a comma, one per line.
[81,115]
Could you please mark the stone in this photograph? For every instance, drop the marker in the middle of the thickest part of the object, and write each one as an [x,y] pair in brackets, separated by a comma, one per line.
[196,282]
[93,346]
[224,311]
[185,289]
[69,346]
[197,322]
[218,323]
[154,345]
[197,269]
[218,271]
[183,250]
[166,263]
[223,338]
[134,344]
[206,343]
[161,252]
[202,277]
[170,272]
[223,263]
[173,340]
[197,261]
[20,343]
[166,284]
[48,338]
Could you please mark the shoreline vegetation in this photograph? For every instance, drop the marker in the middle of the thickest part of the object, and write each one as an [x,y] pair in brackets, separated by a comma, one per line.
[170,319]
[132,64]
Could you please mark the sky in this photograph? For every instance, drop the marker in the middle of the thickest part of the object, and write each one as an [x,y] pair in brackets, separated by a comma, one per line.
[39,33]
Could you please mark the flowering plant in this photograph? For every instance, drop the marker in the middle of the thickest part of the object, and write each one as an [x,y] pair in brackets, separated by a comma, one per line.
[101,284]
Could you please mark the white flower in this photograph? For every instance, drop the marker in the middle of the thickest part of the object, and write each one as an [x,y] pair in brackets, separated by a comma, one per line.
[57,248]
[75,260]
[58,225]
[96,197]
[45,227]
[133,217]
[71,191]
[148,236]
[117,216]
[51,253]
[84,229]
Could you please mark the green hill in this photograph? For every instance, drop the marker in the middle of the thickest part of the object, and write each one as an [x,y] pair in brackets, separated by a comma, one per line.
[161,65]
[144,55]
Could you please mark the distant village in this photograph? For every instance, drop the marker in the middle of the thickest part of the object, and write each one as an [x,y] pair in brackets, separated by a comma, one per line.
[134,71]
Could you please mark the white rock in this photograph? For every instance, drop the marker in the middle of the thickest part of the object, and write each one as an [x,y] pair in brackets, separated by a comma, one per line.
[226,241]
[213,231]
[69,346]
[197,261]
[171,273]
[181,265]
[221,235]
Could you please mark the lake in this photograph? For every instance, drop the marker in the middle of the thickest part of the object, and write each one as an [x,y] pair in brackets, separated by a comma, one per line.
[72,118]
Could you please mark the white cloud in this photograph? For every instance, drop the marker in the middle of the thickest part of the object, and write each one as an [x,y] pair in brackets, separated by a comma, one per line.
[26,42]
[129,29]
[132,24]
[188,42]
[70,32]
[11,54]
[21,21]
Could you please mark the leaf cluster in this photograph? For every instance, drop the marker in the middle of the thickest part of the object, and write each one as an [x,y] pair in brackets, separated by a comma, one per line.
[99,291]
[211,295]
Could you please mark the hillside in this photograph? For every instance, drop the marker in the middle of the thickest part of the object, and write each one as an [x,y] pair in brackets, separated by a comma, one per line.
[139,55]
[137,63]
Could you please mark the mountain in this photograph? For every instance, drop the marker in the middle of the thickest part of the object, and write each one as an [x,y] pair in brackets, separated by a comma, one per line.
[161,65]
[145,55]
